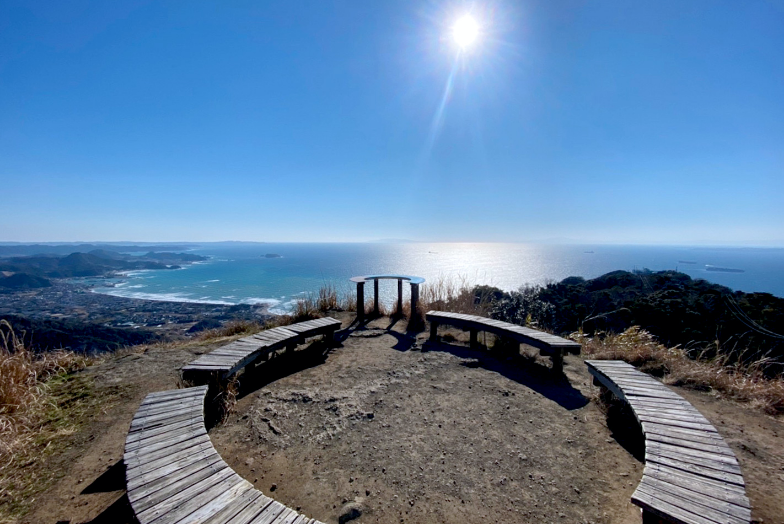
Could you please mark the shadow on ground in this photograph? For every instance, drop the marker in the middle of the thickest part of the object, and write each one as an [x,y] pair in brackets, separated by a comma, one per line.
[623,425]
[521,369]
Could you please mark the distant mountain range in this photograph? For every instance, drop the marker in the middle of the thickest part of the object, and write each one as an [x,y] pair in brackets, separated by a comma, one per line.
[16,250]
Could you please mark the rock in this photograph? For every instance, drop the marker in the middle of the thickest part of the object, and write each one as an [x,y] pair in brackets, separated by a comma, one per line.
[273,487]
[350,511]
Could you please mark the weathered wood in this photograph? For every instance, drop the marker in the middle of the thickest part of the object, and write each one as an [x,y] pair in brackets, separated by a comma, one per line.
[550,344]
[691,476]
[173,473]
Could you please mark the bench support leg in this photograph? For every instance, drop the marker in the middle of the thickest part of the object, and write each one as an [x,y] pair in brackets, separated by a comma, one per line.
[360,301]
[474,342]
[557,359]
[400,296]
[414,301]
[375,297]
[433,331]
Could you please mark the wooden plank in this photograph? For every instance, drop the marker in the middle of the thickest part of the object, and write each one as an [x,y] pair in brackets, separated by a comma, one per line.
[655,453]
[666,510]
[662,447]
[708,505]
[290,518]
[697,469]
[664,429]
[143,500]
[269,514]
[196,506]
[172,407]
[144,474]
[135,470]
[686,416]
[687,505]
[199,390]
[150,400]
[700,485]
[241,509]
[200,491]
[217,503]
[193,422]
[144,428]
[143,421]
[164,404]
[139,458]
[668,421]
[144,485]
[669,473]
[166,439]
[693,442]
[284,516]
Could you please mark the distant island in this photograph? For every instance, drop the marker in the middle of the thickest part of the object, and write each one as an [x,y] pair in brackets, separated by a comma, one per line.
[272,255]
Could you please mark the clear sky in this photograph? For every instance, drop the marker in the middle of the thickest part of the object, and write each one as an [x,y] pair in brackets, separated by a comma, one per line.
[623,122]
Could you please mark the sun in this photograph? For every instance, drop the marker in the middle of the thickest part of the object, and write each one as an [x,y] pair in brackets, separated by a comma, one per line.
[465,31]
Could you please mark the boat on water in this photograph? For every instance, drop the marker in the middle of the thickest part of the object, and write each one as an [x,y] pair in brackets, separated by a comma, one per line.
[723,269]
[686,262]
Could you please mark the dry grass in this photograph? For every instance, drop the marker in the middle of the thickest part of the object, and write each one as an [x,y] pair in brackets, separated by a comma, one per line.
[745,383]
[232,329]
[452,294]
[42,403]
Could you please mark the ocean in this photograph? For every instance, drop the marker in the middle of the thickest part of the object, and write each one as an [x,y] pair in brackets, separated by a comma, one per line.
[239,273]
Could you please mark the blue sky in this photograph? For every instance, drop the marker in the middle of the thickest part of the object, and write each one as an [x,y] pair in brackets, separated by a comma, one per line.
[619,122]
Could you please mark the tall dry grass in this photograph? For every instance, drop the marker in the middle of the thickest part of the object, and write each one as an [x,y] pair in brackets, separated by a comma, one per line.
[23,377]
[231,329]
[742,382]
[41,404]
[454,294]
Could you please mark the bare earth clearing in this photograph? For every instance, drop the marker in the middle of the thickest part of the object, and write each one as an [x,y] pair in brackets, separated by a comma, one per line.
[408,431]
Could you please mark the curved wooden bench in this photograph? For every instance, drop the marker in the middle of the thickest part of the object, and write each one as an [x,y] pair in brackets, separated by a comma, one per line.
[231,358]
[546,343]
[691,476]
[175,475]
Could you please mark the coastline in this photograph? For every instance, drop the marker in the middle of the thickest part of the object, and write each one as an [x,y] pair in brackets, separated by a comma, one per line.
[76,304]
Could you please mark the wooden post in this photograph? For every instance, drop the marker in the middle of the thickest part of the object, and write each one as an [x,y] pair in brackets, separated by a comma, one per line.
[375,297]
[474,341]
[399,296]
[433,331]
[360,301]
[414,300]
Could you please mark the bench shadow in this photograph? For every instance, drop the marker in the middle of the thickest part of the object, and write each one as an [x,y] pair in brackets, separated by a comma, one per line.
[623,425]
[119,512]
[113,479]
[521,369]
[285,364]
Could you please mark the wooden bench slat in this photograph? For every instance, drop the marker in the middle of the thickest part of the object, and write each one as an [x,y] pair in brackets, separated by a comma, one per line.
[249,499]
[705,502]
[687,506]
[691,475]
[546,342]
[143,486]
[175,475]
[699,483]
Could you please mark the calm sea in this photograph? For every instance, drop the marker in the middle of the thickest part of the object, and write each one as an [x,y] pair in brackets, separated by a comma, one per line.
[240,273]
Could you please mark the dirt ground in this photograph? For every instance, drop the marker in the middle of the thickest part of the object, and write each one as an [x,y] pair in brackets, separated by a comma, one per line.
[407,431]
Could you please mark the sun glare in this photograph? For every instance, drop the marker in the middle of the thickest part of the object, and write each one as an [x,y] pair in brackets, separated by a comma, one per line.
[465,31]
